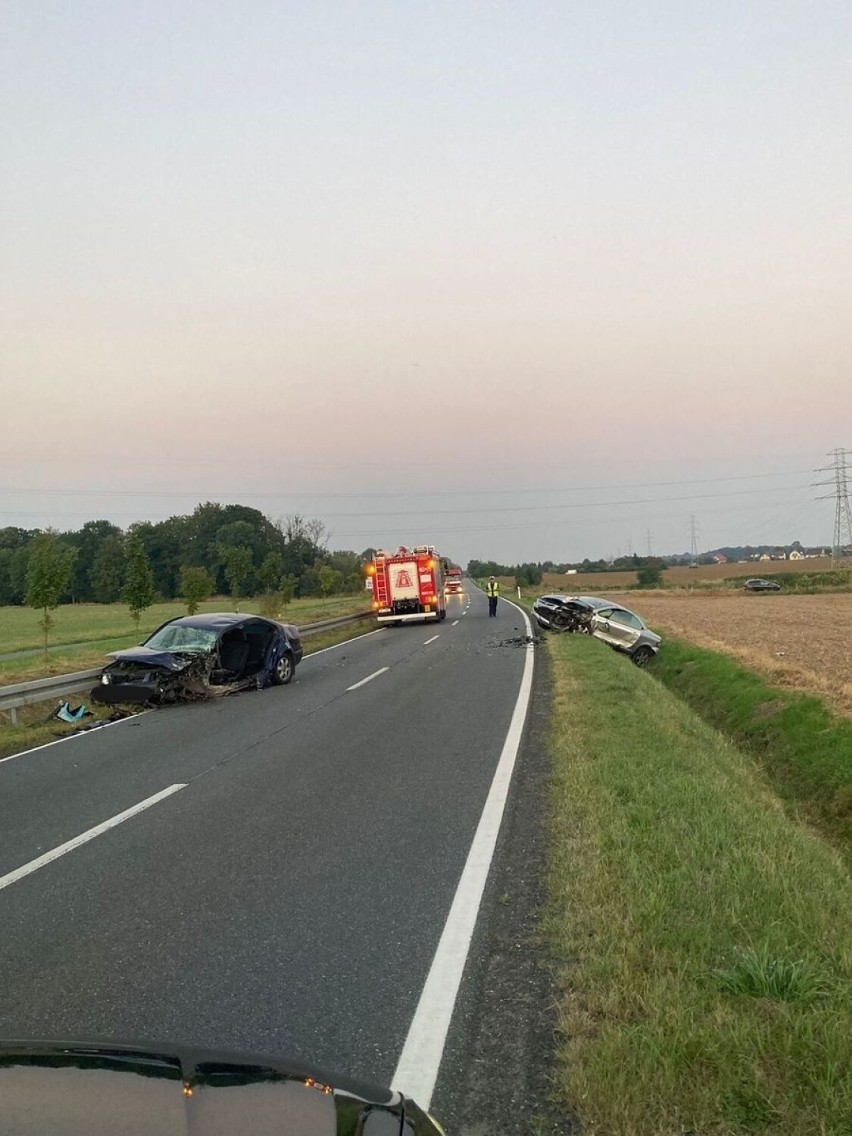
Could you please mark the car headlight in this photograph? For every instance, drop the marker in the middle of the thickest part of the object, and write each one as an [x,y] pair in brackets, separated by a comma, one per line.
[105,680]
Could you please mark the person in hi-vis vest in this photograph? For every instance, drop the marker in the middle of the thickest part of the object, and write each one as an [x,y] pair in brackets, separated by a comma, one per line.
[492,590]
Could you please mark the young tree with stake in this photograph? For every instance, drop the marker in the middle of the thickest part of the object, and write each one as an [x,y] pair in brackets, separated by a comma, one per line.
[48,576]
[138,591]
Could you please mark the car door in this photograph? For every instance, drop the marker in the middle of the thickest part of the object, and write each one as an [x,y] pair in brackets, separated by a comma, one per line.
[625,628]
[601,627]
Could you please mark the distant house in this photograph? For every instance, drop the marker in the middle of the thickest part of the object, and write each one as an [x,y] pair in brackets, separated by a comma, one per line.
[796,555]
[764,556]
[720,558]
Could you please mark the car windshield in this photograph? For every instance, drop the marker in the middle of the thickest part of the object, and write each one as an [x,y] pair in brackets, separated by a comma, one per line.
[179,637]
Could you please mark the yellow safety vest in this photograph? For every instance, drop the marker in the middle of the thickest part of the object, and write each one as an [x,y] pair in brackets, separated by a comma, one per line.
[492,588]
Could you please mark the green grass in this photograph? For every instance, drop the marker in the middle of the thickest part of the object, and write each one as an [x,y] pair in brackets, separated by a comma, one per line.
[805,750]
[79,623]
[85,633]
[703,936]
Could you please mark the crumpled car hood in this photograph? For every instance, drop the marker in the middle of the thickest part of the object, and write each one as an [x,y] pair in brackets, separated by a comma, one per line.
[147,656]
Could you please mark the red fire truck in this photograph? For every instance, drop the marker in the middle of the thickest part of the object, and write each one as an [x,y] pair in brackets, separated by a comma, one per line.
[408,584]
[452,580]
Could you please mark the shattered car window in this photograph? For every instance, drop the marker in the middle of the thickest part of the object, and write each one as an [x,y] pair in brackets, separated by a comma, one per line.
[177,638]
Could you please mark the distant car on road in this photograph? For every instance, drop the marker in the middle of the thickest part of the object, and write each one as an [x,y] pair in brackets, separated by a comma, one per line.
[625,631]
[196,656]
[757,585]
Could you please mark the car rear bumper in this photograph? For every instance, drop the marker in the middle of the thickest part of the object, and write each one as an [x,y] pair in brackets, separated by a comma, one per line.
[411,617]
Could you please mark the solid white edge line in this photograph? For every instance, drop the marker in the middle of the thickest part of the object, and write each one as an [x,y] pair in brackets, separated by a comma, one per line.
[71,737]
[369,678]
[432,640]
[420,1060]
[85,837]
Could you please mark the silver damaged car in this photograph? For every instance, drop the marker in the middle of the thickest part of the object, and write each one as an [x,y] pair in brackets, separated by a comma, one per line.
[625,631]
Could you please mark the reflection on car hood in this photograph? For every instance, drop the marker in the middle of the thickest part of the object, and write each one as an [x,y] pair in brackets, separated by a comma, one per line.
[147,656]
[97,1089]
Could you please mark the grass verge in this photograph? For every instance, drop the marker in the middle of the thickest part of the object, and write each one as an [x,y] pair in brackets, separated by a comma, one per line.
[81,623]
[804,749]
[704,937]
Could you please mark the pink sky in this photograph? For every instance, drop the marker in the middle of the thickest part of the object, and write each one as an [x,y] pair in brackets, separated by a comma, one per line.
[399,249]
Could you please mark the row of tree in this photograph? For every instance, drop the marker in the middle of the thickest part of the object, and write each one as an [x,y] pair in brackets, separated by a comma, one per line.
[532,573]
[218,549]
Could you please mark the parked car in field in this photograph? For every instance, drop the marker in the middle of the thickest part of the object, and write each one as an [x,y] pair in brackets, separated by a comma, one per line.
[566,613]
[757,585]
[625,631]
[197,656]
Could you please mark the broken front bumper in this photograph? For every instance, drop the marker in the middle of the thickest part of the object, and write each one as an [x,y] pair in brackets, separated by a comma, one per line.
[111,692]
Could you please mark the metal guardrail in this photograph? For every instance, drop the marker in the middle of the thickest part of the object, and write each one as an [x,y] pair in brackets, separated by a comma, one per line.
[330,624]
[12,698]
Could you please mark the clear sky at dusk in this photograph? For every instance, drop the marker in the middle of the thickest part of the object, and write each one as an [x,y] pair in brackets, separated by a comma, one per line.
[520,279]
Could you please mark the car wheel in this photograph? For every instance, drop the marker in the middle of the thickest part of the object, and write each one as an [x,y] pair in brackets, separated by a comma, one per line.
[641,656]
[284,670]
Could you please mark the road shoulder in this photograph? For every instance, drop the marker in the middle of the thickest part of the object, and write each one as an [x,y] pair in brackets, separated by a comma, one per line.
[495,1074]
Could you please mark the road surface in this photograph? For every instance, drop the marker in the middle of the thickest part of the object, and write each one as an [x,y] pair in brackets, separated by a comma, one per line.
[284,881]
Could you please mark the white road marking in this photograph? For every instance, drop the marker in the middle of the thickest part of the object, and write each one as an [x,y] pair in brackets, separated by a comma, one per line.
[369,678]
[420,1060]
[455,621]
[85,837]
[71,737]
[432,640]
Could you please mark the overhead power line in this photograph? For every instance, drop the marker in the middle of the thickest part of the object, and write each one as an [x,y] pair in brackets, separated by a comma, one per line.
[208,494]
[515,508]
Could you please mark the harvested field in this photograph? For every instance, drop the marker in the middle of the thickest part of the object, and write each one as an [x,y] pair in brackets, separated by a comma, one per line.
[685,577]
[799,642]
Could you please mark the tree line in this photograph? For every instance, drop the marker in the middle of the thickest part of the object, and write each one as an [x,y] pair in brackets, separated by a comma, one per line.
[649,568]
[216,550]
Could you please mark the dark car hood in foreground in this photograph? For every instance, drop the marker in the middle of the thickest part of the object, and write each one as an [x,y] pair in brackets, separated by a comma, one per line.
[147,656]
[98,1089]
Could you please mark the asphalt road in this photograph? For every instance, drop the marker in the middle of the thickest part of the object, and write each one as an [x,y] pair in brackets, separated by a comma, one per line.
[289,897]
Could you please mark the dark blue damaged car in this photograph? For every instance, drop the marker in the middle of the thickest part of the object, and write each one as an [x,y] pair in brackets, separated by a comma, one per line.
[202,656]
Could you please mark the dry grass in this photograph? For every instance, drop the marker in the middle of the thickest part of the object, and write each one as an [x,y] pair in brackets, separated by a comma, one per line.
[798,642]
[684,577]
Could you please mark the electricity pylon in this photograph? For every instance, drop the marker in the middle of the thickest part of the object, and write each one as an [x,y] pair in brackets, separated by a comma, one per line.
[842,538]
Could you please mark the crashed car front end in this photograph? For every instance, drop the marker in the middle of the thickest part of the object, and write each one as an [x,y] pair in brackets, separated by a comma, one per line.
[142,681]
[203,656]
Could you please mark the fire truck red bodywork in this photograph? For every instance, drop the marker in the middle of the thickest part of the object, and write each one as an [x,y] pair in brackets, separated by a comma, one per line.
[453,580]
[408,584]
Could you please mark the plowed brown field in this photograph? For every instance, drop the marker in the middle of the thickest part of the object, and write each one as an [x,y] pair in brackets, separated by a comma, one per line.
[801,642]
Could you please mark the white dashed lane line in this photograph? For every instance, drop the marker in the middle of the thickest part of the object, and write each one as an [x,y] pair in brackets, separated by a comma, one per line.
[455,621]
[85,837]
[369,678]
[432,640]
